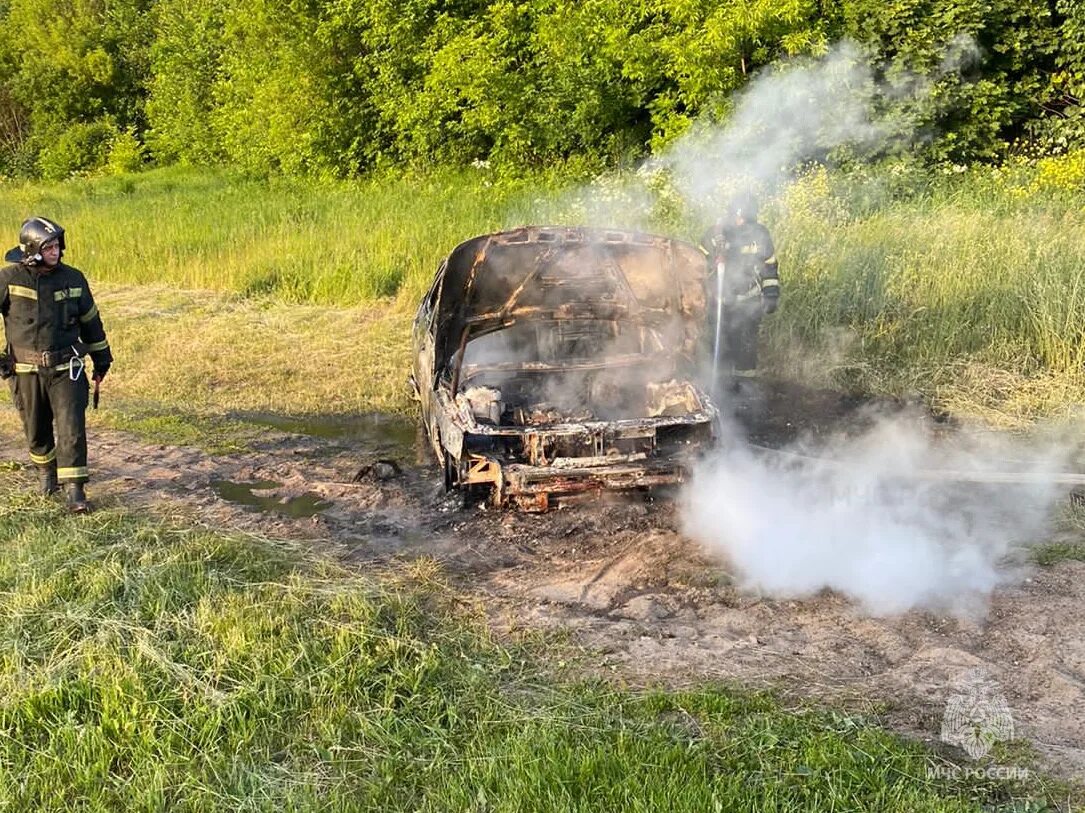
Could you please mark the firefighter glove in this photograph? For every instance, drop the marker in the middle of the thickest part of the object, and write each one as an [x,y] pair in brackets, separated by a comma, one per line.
[100,370]
[770,303]
[7,367]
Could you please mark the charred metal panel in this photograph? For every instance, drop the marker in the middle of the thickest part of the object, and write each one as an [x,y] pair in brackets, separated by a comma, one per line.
[563,273]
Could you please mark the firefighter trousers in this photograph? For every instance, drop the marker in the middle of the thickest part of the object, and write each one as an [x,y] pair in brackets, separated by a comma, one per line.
[741,328]
[49,397]
[739,335]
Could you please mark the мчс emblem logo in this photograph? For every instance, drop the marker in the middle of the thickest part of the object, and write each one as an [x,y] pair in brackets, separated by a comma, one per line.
[977,716]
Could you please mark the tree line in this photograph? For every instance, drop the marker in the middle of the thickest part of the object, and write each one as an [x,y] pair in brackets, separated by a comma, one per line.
[340,87]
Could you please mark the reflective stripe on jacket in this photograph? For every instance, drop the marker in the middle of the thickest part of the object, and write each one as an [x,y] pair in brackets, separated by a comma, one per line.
[51,310]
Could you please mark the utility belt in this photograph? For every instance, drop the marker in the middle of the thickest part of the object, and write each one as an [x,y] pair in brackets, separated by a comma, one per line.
[49,358]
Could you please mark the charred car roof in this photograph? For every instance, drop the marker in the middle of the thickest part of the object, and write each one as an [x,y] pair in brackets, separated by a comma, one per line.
[546,272]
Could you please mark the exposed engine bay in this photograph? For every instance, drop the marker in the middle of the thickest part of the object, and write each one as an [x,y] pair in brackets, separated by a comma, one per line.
[544,373]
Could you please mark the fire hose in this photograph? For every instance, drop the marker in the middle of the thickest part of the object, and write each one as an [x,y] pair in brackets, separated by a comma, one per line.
[719,321]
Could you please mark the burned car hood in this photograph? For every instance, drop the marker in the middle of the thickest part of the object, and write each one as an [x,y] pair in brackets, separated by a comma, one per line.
[555,273]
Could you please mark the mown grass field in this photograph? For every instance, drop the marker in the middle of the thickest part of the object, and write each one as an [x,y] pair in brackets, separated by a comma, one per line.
[147,666]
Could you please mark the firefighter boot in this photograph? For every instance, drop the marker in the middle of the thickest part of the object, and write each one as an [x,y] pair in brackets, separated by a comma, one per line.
[76,498]
[47,478]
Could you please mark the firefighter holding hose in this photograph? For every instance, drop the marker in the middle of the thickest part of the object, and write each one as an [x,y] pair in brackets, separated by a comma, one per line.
[743,285]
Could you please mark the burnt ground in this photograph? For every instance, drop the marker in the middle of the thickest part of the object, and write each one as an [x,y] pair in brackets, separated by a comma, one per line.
[647,604]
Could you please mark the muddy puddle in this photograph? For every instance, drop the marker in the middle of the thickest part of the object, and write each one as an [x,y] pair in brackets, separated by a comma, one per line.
[262,495]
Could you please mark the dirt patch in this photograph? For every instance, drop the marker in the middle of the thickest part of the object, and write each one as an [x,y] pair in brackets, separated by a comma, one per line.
[620,574]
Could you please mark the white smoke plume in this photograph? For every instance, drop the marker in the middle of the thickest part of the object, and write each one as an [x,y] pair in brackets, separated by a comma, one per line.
[893,517]
[802,111]
[783,118]
[878,516]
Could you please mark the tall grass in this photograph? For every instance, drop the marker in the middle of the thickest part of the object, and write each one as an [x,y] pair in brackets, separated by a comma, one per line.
[943,273]
[969,289]
[300,241]
[147,666]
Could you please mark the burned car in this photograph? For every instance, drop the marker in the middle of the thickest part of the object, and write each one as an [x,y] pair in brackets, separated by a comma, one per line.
[555,361]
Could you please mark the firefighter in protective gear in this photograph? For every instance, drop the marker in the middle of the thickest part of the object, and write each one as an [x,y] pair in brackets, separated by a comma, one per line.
[51,324]
[743,285]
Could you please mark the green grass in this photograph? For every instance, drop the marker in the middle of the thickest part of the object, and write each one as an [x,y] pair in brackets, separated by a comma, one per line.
[969,290]
[1055,552]
[299,241]
[216,435]
[1069,542]
[147,666]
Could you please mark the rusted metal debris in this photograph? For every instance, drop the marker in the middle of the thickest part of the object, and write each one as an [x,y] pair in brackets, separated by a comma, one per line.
[557,361]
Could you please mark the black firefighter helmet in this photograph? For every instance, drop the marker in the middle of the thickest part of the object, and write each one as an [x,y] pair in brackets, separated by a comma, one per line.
[742,207]
[35,232]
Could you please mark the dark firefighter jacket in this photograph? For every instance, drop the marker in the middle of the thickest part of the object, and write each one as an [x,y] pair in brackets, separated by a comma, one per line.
[50,311]
[749,260]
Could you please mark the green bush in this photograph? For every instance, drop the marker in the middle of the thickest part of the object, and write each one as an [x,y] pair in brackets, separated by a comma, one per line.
[70,64]
[185,60]
[80,148]
[318,88]
[126,153]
